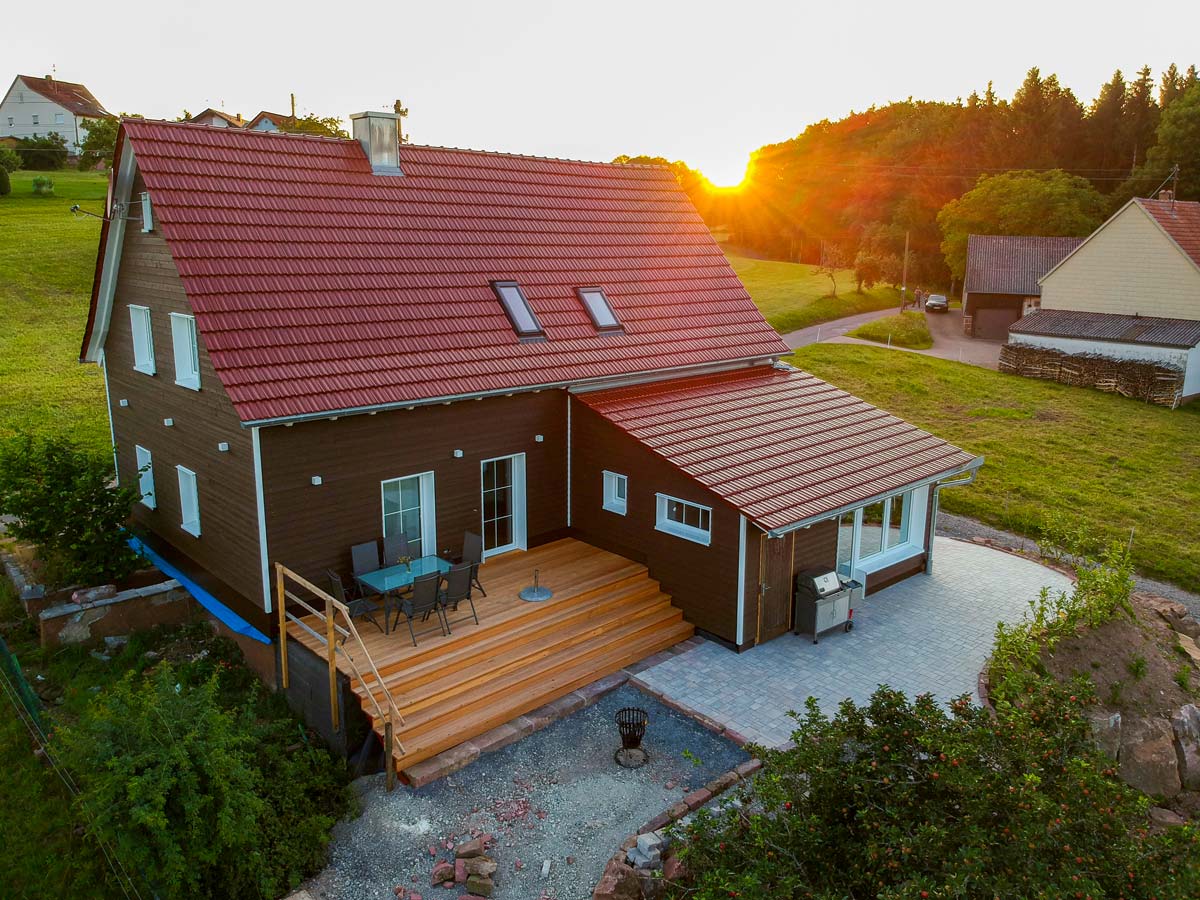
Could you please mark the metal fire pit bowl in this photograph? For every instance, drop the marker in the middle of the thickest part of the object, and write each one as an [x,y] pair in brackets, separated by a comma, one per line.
[631,721]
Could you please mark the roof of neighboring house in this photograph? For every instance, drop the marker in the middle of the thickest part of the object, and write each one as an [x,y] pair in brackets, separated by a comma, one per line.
[1180,219]
[277,118]
[1002,264]
[320,287]
[74,98]
[779,445]
[236,121]
[1096,326]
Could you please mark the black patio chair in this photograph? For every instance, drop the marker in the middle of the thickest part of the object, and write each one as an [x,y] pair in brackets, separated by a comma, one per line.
[364,558]
[426,598]
[362,608]
[473,554]
[394,547]
[458,589]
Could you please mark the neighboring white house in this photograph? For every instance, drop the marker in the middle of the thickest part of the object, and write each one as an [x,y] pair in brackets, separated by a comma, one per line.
[1130,291]
[35,107]
[218,119]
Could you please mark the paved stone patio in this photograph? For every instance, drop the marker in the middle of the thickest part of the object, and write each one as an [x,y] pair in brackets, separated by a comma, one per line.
[930,633]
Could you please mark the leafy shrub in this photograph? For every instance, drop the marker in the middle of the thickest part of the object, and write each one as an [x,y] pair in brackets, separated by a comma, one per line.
[5,183]
[43,154]
[897,800]
[43,186]
[1101,591]
[10,160]
[203,797]
[64,503]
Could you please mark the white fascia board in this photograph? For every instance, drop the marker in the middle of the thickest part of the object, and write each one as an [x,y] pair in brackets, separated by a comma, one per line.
[261,506]
[118,198]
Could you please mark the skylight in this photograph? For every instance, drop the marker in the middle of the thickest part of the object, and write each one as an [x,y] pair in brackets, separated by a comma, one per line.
[599,309]
[520,313]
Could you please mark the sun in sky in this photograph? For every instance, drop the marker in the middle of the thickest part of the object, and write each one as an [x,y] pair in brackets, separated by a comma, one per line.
[725,174]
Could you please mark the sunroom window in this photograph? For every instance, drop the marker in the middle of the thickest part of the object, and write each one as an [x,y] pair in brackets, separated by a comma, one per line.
[517,307]
[598,307]
[869,534]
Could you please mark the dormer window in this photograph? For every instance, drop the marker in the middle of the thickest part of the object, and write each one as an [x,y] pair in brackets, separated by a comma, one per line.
[599,309]
[520,313]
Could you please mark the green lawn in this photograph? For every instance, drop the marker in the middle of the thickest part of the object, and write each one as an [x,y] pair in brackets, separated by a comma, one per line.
[1118,464]
[791,296]
[47,256]
[906,329]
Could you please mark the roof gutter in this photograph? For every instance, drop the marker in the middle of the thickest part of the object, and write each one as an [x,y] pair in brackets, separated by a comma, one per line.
[937,498]
[972,467]
[598,383]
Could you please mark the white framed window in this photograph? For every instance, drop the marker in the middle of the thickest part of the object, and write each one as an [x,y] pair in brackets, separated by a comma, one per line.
[187,351]
[189,501]
[58,118]
[598,307]
[145,468]
[881,533]
[35,119]
[616,492]
[143,339]
[408,509]
[517,308]
[684,519]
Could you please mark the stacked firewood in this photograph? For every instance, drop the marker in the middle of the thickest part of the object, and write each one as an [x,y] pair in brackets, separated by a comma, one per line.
[1129,377]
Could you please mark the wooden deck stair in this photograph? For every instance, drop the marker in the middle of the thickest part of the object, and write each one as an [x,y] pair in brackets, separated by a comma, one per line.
[521,658]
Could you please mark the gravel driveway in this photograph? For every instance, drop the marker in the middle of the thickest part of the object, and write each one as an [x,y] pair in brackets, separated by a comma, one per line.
[555,795]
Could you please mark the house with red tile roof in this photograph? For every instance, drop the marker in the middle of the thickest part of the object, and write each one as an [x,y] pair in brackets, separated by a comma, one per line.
[36,107]
[1130,291]
[311,343]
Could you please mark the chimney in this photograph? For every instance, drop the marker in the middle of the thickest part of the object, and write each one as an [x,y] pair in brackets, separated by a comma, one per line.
[1167,195]
[378,133]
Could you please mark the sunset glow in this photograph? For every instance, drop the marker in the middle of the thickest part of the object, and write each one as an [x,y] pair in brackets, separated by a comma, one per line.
[725,175]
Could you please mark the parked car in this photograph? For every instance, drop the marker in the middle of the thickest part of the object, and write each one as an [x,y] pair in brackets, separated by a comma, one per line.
[937,303]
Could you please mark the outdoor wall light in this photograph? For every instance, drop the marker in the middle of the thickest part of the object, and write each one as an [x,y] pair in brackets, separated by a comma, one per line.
[458,454]
[223,447]
[123,402]
[316,481]
[539,438]
[168,422]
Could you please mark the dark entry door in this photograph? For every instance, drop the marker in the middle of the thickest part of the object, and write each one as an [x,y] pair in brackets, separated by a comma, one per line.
[775,587]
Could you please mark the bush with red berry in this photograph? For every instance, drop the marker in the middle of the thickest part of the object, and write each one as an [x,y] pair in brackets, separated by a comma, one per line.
[902,799]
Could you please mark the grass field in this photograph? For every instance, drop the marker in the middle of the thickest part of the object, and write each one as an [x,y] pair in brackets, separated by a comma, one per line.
[1115,463]
[47,256]
[906,329]
[792,297]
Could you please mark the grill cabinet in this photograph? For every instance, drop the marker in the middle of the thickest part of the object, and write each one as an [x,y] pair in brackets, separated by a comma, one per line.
[823,601]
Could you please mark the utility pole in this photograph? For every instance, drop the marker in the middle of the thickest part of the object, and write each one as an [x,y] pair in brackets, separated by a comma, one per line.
[293,96]
[904,276]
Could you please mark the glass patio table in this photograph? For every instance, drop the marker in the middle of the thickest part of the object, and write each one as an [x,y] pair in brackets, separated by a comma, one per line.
[390,580]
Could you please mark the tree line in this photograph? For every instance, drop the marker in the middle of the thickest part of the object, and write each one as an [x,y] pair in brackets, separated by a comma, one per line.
[849,192]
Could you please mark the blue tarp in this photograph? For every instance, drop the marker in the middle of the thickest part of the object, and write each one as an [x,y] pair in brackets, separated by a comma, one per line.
[204,598]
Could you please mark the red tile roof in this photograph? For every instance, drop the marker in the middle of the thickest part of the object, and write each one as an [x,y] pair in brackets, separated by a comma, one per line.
[1181,220]
[72,97]
[320,287]
[781,446]
[1003,264]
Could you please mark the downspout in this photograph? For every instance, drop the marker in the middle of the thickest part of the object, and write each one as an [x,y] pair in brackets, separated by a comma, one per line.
[937,488]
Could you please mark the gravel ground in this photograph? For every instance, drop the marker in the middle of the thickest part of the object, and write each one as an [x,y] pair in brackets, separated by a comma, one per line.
[963,528]
[556,794]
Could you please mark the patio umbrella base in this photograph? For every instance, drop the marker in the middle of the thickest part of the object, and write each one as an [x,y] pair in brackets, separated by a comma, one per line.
[536,594]
[631,758]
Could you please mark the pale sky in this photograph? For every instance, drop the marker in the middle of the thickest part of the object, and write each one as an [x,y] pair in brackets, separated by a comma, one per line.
[699,81]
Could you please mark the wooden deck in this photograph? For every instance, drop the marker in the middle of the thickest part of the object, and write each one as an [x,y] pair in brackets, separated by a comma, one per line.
[606,613]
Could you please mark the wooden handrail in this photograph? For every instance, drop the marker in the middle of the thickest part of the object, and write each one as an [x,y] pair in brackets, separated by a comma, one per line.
[390,716]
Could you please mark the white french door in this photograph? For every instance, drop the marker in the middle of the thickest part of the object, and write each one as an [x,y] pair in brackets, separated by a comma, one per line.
[503,504]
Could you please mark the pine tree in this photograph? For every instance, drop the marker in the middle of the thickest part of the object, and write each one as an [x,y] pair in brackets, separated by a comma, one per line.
[1170,86]
[1140,117]
[1105,134]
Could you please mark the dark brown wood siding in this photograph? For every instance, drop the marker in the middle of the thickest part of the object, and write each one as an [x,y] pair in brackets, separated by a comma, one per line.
[701,580]
[906,568]
[228,544]
[311,528]
[814,547]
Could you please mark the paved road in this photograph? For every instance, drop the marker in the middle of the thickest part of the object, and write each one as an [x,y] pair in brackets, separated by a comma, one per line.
[838,327]
[949,342]
[929,633]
